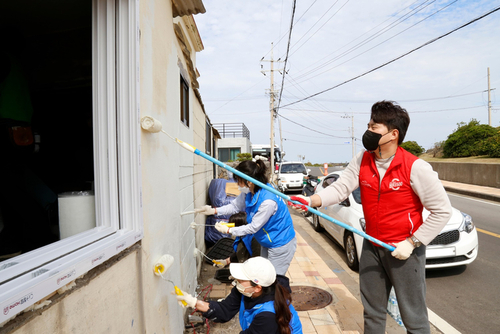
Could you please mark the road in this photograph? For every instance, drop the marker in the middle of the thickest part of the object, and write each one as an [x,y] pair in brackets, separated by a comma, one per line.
[466,297]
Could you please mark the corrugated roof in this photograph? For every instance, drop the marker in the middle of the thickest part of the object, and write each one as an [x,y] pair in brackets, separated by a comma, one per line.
[187,7]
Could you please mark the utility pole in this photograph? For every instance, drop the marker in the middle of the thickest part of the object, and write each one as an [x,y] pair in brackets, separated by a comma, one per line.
[272,95]
[352,133]
[352,136]
[489,99]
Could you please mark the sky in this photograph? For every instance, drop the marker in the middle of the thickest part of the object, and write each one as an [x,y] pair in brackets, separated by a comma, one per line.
[336,48]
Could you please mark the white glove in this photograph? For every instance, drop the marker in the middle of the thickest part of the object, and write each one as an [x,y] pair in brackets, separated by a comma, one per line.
[403,250]
[222,228]
[220,263]
[206,210]
[188,298]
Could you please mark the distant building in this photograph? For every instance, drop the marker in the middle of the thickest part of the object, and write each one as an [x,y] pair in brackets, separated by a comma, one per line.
[235,139]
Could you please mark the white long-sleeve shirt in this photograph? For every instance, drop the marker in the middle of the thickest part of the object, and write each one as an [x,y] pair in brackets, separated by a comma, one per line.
[423,180]
[266,209]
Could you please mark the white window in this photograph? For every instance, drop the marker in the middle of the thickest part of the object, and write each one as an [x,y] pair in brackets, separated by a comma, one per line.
[114,176]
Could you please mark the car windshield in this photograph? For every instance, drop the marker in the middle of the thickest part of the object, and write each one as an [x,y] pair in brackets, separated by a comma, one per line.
[293,168]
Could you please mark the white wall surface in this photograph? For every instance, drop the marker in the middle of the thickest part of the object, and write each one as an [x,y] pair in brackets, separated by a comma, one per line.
[243,143]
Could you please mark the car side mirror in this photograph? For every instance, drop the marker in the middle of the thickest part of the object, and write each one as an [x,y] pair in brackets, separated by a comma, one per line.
[345,202]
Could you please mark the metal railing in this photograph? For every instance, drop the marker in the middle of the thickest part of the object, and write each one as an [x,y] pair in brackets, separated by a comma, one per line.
[232,130]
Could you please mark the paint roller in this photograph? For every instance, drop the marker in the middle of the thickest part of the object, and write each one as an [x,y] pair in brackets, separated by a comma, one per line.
[209,259]
[161,266]
[194,150]
[193,224]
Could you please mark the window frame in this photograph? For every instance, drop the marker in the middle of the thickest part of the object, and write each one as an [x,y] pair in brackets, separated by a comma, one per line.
[28,278]
[184,103]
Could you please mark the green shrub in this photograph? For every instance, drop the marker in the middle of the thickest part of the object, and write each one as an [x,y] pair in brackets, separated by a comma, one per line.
[244,156]
[413,147]
[468,140]
[492,145]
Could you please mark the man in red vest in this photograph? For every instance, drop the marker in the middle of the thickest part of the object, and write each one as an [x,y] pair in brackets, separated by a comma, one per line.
[395,186]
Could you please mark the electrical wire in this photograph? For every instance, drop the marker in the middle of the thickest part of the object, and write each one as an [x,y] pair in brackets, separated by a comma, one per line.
[414,100]
[287,50]
[373,47]
[285,34]
[367,112]
[308,142]
[378,32]
[301,125]
[296,49]
[397,58]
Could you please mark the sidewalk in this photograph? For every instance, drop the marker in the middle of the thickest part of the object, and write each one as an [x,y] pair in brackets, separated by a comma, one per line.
[344,315]
[489,193]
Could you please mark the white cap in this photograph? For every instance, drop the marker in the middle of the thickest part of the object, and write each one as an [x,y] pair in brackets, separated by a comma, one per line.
[256,269]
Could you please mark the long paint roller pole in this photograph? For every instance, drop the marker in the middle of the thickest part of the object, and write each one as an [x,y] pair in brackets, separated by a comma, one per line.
[285,197]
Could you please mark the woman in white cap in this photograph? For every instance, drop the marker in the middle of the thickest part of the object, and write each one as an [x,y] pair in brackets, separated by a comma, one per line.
[262,298]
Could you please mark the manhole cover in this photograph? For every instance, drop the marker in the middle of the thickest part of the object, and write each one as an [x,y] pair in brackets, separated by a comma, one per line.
[306,298]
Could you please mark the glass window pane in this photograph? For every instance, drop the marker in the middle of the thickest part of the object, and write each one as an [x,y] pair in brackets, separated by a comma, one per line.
[46,128]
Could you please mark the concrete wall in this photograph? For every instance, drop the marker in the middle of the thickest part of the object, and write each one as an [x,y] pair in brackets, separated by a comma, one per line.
[471,173]
[110,303]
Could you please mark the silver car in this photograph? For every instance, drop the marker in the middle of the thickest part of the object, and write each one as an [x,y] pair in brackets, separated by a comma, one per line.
[456,245]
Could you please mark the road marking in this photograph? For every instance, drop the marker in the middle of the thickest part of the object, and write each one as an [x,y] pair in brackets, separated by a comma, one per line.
[441,324]
[488,232]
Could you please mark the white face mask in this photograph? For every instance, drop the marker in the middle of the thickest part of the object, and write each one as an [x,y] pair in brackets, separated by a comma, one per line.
[244,190]
[241,289]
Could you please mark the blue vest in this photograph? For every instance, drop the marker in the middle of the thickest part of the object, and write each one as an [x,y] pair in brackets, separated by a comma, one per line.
[278,231]
[246,316]
[247,241]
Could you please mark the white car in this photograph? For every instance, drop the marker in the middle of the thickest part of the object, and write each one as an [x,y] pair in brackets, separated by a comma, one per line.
[291,176]
[456,245]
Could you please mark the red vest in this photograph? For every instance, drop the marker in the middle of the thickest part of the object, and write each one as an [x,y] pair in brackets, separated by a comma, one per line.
[392,210]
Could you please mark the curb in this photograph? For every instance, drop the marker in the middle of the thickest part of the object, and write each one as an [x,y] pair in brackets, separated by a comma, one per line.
[471,193]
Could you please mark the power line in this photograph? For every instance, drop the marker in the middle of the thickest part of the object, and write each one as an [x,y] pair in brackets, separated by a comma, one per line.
[287,50]
[378,33]
[368,112]
[405,101]
[373,47]
[279,40]
[326,134]
[397,58]
[308,142]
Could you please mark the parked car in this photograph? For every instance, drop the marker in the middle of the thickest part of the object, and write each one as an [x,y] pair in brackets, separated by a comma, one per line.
[456,245]
[291,175]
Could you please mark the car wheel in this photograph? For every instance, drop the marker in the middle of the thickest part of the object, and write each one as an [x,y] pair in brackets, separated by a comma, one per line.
[315,224]
[351,251]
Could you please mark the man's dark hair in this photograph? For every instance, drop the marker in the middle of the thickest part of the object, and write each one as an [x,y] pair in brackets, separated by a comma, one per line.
[391,115]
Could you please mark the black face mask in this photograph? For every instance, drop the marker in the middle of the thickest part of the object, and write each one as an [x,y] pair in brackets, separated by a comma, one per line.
[371,139]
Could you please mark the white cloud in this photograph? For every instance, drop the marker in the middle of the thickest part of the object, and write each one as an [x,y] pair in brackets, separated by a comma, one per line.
[237,34]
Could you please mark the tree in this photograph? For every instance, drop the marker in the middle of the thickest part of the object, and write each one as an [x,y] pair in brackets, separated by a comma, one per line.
[413,147]
[492,145]
[468,140]
[244,156]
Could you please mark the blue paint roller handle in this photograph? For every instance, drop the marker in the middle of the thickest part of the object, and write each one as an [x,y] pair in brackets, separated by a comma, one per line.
[287,198]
